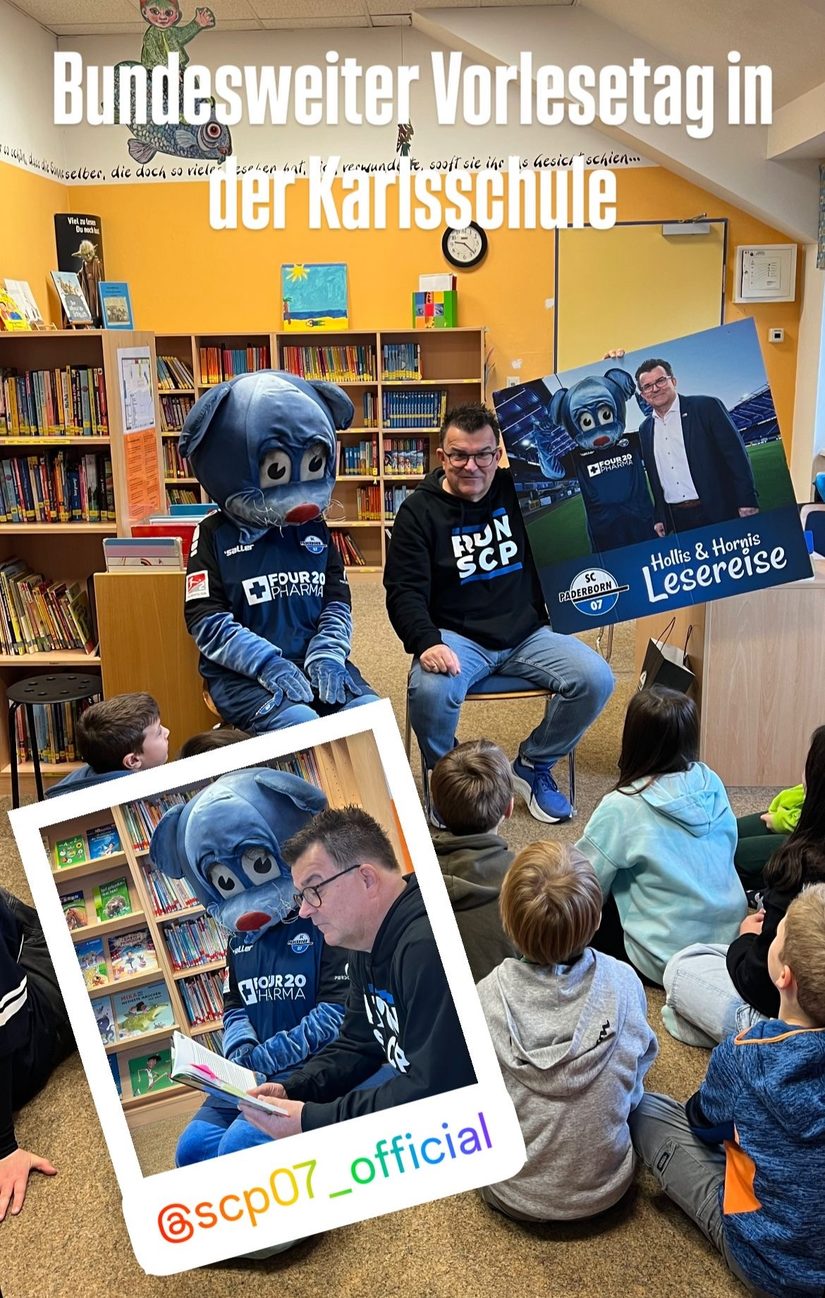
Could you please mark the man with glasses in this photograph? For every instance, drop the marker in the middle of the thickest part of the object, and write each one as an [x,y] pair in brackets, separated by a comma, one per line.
[399,1011]
[697,463]
[464,596]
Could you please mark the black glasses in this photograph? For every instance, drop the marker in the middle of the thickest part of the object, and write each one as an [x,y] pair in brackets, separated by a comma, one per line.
[312,894]
[458,459]
[644,388]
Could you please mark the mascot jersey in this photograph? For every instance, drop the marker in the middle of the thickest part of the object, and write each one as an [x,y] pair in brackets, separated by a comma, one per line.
[275,586]
[273,985]
[614,492]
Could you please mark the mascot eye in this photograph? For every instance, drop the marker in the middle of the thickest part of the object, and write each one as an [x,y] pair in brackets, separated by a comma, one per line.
[276,469]
[223,880]
[313,463]
[586,422]
[260,865]
[605,414]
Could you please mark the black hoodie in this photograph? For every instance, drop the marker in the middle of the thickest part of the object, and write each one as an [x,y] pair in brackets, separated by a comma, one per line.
[464,566]
[400,1011]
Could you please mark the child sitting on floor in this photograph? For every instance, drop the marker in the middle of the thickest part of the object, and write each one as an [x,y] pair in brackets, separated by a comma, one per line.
[759,836]
[662,842]
[569,1026]
[115,737]
[472,790]
[763,1097]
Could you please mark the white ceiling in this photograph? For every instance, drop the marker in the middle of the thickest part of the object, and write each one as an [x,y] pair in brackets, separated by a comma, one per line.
[789,37]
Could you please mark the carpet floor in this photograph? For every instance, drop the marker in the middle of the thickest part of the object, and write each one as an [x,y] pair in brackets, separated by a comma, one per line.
[71,1239]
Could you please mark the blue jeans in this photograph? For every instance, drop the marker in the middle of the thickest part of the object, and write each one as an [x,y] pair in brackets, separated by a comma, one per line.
[239,700]
[581,682]
[703,1007]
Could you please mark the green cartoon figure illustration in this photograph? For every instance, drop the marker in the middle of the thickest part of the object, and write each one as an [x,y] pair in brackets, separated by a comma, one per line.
[164,36]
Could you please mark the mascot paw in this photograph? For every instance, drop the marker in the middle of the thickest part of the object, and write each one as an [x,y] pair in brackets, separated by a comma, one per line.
[331,681]
[285,680]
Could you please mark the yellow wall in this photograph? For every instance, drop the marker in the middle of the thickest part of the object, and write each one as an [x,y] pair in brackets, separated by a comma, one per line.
[184,276]
[27,250]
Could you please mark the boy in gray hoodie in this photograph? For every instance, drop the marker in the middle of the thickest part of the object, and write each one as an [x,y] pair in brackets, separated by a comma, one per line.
[570,1030]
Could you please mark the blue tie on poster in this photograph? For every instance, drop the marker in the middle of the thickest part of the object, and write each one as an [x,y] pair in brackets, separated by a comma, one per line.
[654,482]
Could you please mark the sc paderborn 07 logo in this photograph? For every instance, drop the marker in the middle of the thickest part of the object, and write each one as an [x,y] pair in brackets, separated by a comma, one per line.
[593,592]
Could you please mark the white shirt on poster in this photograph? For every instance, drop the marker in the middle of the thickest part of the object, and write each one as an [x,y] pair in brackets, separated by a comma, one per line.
[671,457]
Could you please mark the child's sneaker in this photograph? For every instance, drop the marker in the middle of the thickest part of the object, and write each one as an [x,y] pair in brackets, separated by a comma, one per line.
[545,800]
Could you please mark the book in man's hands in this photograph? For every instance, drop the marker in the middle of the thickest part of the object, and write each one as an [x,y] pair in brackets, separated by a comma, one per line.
[202,1069]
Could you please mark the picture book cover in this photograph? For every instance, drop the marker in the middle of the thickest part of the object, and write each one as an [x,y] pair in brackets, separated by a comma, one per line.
[74,908]
[92,960]
[115,305]
[104,1018]
[20,290]
[648,483]
[70,851]
[103,841]
[132,953]
[74,304]
[143,1010]
[11,314]
[112,899]
[150,1073]
[114,1065]
[314,296]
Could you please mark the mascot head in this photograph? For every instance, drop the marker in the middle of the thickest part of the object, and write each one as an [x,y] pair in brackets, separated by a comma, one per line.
[263,446]
[226,843]
[593,410]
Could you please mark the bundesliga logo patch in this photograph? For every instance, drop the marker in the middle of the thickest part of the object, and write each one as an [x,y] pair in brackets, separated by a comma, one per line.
[197,585]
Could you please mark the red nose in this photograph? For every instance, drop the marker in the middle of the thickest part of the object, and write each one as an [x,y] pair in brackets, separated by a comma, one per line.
[302,514]
[251,920]
[601,441]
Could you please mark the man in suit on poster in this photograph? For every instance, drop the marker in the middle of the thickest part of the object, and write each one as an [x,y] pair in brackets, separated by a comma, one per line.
[695,457]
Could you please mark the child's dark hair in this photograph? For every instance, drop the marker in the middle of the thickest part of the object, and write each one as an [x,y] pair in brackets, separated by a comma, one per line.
[801,859]
[661,735]
[472,787]
[206,741]
[109,731]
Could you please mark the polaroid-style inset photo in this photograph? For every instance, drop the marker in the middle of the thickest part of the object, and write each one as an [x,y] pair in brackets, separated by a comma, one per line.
[655,481]
[268,991]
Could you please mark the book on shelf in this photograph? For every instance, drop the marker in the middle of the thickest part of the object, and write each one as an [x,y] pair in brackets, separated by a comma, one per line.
[347,548]
[142,817]
[217,364]
[74,909]
[38,615]
[203,1070]
[114,1068]
[141,1010]
[202,996]
[61,402]
[143,552]
[132,953]
[104,1018]
[57,487]
[20,290]
[421,408]
[103,840]
[92,960]
[358,459]
[70,851]
[12,316]
[338,364]
[54,731]
[435,309]
[194,941]
[174,373]
[151,1073]
[112,899]
[400,362]
[69,290]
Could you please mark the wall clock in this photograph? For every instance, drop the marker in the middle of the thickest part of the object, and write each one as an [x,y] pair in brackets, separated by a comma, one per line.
[465,248]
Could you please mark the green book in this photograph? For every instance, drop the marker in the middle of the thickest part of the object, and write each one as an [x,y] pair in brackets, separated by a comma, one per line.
[112,899]
[150,1073]
[70,851]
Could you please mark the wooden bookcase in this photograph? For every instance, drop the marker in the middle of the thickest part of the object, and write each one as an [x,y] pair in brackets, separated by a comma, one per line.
[68,551]
[349,771]
[452,360]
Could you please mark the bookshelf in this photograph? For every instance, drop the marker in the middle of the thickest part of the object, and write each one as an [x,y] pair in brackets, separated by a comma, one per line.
[396,448]
[133,898]
[68,551]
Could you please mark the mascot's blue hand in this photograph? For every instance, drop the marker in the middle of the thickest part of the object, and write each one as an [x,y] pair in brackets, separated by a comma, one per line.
[331,681]
[284,679]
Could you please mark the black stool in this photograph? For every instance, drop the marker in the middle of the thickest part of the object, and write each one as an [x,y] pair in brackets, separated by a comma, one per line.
[47,690]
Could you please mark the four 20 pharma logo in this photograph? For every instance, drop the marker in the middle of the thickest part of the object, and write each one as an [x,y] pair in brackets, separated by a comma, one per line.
[593,592]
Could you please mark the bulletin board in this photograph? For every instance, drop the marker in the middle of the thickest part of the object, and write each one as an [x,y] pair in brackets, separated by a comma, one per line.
[634,285]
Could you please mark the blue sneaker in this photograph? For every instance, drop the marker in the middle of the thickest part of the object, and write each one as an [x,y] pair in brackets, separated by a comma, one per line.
[545,800]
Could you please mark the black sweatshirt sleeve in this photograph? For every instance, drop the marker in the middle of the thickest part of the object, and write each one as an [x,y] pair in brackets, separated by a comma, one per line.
[14,1018]
[747,959]
[408,583]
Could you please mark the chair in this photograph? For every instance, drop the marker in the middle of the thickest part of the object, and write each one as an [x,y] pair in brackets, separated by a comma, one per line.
[812,518]
[45,691]
[502,688]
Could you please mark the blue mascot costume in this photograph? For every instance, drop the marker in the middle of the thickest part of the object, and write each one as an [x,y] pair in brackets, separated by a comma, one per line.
[285,989]
[607,461]
[267,599]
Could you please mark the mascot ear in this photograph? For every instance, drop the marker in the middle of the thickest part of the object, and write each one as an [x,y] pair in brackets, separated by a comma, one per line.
[200,417]
[624,381]
[557,407]
[304,795]
[166,846]
[337,402]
